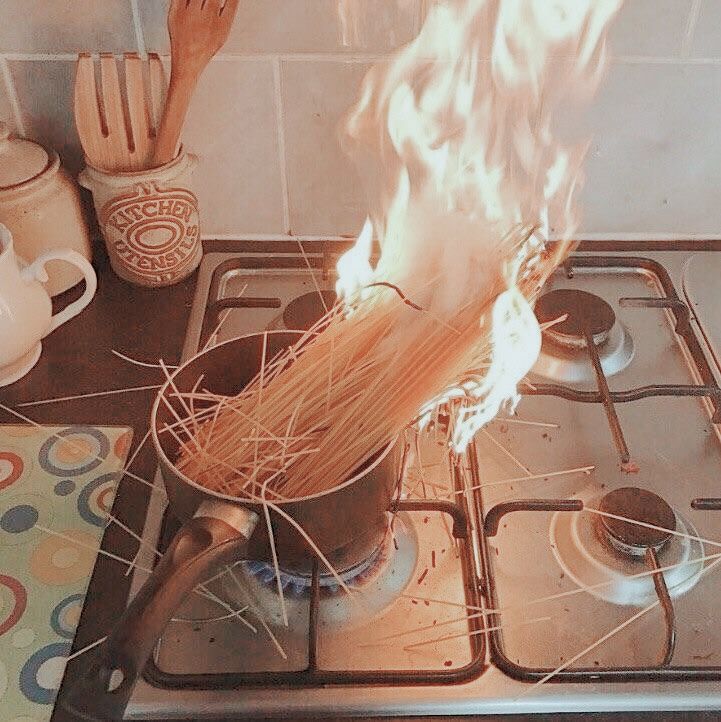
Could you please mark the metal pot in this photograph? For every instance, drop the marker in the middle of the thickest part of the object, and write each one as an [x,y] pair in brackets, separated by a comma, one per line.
[347,524]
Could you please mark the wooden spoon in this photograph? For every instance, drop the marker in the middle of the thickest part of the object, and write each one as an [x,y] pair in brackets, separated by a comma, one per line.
[198,29]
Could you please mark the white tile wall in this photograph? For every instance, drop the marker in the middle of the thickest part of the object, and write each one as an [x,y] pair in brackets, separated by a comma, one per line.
[265,117]
[65,26]
[302,26]
[650,28]
[325,197]
[707,38]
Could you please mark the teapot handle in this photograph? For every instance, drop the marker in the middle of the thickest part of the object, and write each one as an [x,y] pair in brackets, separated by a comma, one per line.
[36,271]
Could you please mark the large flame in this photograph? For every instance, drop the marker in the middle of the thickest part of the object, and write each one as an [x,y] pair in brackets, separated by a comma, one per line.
[455,142]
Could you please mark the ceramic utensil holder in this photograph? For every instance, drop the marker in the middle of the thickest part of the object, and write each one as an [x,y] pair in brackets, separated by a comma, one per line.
[149,220]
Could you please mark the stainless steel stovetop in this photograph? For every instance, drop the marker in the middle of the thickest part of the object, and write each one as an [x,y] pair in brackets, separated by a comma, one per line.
[470,624]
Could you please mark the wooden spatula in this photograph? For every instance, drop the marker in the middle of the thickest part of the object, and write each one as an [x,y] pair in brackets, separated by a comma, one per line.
[118,133]
[198,29]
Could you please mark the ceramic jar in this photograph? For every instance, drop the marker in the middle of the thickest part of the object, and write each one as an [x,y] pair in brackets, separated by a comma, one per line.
[41,206]
[149,220]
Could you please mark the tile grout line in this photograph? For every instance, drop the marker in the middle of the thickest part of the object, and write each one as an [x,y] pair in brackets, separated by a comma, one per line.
[354,59]
[590,236]
[690,31]
[279,117]
[139,34]
[11,91]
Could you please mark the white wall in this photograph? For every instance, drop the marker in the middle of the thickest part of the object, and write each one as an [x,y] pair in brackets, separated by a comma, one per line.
[265,116]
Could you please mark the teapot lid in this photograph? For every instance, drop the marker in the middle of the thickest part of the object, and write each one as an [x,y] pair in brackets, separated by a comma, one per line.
[20,159]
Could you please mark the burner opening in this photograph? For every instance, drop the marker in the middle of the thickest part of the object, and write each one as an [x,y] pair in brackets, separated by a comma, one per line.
[585,312]
[299,584]
[640,505]
[302,312]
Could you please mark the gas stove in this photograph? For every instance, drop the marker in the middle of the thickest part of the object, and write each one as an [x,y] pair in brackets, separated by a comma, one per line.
[511,580]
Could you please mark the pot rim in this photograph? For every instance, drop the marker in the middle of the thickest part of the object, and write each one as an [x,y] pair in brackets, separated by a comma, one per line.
[237,499]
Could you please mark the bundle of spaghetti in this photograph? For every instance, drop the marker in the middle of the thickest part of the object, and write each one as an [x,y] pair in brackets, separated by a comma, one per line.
[317,412]
[454,140]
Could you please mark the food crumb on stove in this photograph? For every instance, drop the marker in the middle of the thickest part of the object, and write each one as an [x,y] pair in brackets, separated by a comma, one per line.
[630,467]
[497,552]
[596,662]
[503,428]
[443,551]
[433,559]
[505,526]
[566,609]
[448,663]
[434,621]
[562,575]
[425,520]
[395,543]
[414,601]
[423,576]
[426,602]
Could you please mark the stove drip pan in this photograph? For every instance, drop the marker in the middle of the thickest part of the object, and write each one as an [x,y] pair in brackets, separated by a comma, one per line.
[564,355]
[579,542]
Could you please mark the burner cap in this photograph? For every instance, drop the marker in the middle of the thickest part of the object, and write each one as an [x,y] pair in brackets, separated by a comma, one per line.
[302,312]
[641,505]
[584,311]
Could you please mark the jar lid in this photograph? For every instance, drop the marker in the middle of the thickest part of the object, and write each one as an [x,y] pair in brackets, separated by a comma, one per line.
[20,160]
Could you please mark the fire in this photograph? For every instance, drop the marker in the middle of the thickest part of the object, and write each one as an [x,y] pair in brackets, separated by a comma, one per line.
[454,138]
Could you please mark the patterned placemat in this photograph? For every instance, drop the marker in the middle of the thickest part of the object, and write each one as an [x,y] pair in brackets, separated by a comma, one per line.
[57,485]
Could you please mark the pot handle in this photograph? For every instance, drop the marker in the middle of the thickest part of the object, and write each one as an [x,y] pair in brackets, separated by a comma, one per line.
[217,534]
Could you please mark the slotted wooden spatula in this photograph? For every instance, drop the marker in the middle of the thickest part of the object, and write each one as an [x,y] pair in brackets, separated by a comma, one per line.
[118,131]
[198,29]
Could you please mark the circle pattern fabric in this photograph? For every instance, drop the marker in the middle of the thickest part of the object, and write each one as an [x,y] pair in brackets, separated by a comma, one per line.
[63,560]
[57,484]
[42,674]
[15,598]
[74,451]
[96,499]
[22,515]
[64,618]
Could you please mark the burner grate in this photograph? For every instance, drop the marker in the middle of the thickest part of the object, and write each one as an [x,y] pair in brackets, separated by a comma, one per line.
[313,674]
[590,326]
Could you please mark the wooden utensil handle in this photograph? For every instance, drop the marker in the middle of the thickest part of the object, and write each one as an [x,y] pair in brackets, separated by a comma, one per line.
[171,125]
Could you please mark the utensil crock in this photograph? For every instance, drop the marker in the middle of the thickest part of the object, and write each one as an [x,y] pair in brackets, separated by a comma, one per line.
[149,220]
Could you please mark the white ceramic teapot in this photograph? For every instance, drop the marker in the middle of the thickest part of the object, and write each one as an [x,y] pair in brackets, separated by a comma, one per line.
[25,307]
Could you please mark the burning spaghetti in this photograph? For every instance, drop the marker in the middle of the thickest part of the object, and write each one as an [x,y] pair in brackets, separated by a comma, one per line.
[466,182]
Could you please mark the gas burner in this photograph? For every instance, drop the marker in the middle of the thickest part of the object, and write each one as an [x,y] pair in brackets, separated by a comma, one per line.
[641,505]
[605,556]
[300,584]
[302,312]
[584,312]
[564,356]
[377,581]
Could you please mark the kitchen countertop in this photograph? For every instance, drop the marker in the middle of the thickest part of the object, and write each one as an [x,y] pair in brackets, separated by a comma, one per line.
[146,324]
